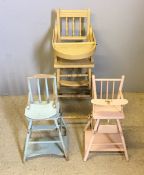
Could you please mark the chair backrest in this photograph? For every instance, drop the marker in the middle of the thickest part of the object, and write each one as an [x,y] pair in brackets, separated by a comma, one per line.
[42,87]
[73,24]
[107,88]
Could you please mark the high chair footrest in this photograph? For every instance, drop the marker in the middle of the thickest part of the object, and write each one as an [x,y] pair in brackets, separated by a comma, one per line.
[43,127]
[42,148]
[108,129]
[44,142]
[104,141]
[74,83]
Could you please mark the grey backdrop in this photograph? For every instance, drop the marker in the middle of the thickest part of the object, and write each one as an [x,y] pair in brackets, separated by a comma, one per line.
[26,31]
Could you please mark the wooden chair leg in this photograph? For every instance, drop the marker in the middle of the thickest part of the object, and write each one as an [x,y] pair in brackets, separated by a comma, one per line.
[123,140]
[89,77]
[88,123]
[58,78]
[61,139]
[27,140]
[91,140]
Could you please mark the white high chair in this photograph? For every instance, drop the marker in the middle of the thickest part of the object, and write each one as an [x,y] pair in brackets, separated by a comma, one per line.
[43,105]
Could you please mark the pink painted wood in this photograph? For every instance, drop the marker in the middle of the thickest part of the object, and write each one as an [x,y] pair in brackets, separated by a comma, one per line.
[107,104]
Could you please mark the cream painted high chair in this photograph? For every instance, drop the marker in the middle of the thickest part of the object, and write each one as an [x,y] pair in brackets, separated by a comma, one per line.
[107,105]
[74,45]
[47,133]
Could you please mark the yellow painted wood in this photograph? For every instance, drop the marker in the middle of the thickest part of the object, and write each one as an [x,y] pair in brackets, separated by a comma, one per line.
[66,26]
[72,45]
[89,77]
[74,75]
[73,83]
[74,51]
[80,26]
[58,79]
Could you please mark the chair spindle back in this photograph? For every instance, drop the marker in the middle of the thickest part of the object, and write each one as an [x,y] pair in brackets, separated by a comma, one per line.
[107,88]
[73,24]
[42,87]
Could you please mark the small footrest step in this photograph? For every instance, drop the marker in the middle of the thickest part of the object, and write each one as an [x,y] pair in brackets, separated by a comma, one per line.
[43,127]
[74,83]
[51,148]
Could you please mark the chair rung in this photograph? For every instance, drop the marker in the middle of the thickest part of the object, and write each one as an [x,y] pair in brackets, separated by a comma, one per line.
[74,83]
[74,75]
[46,142]
[73,96]
[43,127]
[108,144]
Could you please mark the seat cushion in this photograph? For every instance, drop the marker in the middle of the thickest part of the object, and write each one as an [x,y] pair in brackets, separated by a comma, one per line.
[107,112]
[40,111]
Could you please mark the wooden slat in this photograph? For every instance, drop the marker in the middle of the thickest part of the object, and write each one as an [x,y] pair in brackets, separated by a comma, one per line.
[107,89]
[66,26]
[58,22]
[92,44]
[61,65]
[89,77]
[38,88]
[73,26]
[121,83]
[75,117]
[74,95]
[30,90]
[94,86]
[113,89]
[41,76]
[47,89]
[74,75]
[58,77]
[74,13]
[88,21]
[55,86]
[106,79]
[74,83]
[101,88]
[120,86]
[80,26]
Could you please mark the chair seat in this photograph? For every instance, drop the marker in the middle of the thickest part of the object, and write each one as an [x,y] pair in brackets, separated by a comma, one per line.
[63,63]
[110,112]
[39,111]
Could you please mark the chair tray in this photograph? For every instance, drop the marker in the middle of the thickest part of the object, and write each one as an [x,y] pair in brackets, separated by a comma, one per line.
[74,51]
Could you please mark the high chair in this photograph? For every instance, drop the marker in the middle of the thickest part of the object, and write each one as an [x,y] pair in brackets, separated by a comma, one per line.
[74,45]
[47,133]
[103,131]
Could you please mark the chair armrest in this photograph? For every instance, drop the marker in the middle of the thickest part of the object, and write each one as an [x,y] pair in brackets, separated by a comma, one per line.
[121,95]
[28,101]
[91,36]
[106,102]
[55,34]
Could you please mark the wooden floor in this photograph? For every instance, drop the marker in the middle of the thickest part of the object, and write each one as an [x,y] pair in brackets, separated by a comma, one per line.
[13,131]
